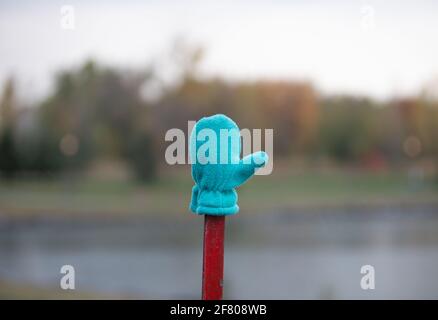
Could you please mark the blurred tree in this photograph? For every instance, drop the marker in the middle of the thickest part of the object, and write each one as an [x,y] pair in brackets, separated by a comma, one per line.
[347,129]
[8,154]
[8,107]
[141,156]
[290,108]
[96,113]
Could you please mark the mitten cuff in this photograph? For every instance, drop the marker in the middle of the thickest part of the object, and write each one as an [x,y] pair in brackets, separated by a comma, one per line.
[219,203]
[194,201]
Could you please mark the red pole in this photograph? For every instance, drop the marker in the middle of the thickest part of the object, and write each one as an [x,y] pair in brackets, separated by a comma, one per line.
[213,260]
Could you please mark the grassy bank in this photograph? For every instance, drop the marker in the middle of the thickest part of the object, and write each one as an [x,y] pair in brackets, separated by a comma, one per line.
[170,195]
[11,291]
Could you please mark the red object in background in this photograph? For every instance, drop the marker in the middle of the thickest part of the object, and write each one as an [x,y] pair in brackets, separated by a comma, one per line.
[213,260]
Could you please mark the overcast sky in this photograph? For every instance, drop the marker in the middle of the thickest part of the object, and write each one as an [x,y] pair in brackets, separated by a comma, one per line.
[377,48]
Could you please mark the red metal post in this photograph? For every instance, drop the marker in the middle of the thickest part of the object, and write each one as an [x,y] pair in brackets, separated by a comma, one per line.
[213,260]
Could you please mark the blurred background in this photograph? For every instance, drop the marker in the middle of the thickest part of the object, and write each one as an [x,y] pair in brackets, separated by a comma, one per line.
[89,89]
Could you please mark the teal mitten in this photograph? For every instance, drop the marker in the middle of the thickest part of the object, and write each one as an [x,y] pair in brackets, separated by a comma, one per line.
[216,165]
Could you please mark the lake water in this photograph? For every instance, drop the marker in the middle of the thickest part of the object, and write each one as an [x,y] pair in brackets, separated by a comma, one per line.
[281,255]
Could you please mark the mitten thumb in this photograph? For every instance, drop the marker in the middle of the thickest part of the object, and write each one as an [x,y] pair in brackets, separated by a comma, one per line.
[247,167]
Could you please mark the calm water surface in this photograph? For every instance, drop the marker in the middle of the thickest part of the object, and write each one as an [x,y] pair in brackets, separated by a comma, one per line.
[282,255]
